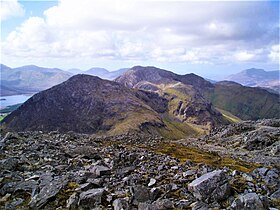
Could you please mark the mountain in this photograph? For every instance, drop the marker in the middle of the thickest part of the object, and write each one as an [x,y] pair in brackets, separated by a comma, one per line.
[195,100]
[183,92]
[104,73]
[88,104]
[30,79]
[258,78]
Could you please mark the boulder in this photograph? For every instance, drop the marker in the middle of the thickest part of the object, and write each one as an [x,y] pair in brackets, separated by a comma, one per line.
[100,171]
[157,205]
[91,198]
[249,201]
[210,187]
[120,204]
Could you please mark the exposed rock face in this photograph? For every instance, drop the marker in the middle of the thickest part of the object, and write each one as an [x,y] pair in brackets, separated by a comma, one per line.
[87,104]
[182,91]
[210,187]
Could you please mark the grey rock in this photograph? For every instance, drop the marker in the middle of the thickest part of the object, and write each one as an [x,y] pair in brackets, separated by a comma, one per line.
[210,187]
[189,173]
[199,205]
[249,201]
[91,198]
[48,191]
[72,201]
[120,204]
[141,194]
[157,205]
[152,182]
[98,171]
[276,194]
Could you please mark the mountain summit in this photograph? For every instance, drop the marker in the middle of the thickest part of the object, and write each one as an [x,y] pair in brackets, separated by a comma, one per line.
[258,78]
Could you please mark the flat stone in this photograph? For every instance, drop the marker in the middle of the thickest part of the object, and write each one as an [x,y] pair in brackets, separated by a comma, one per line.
[210,187]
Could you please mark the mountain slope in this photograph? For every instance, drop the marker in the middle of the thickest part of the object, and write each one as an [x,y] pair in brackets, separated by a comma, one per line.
[88,104]
[258,78]
[183,92]
[194,100]
[30,79]
[247,103]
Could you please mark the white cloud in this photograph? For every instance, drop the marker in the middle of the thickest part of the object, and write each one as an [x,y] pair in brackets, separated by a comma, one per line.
[274,54]
[10,8]
[163,31]
[244,56]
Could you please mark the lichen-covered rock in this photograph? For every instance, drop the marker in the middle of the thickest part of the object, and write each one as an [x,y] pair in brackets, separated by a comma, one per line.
[210,187]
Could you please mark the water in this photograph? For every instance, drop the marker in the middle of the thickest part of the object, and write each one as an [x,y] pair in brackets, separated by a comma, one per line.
[12,100]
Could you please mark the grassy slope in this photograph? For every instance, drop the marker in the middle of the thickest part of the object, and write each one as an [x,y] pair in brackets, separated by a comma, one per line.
[246,103]
[184,153]
[229,116]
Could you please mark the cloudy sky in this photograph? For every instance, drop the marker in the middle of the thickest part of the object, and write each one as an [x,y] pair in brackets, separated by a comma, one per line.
[210,38]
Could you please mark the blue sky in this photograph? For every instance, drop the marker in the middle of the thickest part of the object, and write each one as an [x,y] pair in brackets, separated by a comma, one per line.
[210,38]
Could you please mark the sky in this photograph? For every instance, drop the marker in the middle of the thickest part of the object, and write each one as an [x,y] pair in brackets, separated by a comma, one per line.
[209,38]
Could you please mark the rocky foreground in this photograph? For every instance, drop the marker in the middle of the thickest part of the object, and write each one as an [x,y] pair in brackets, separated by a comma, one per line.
[74,171]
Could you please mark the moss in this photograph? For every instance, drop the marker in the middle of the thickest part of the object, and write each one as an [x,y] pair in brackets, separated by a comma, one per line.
[65,193]
[238,184]
[184,153]
[275,203]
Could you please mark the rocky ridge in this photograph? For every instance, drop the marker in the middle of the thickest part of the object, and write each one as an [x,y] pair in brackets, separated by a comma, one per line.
[79,171]
[252,141]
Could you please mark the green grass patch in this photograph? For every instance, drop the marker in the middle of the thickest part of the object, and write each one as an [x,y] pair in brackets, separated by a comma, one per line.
[184,153]
[2,116]
[177,130]
[229,116]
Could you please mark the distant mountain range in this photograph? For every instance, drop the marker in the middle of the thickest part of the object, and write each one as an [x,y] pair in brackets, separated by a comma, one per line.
[258,78]
[143,99]
[30,79]
[104,73]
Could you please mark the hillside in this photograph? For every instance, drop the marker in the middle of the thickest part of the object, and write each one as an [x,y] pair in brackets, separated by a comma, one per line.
[87,104]
[183,92]
[258,78]
[29,79]
[195,100]
[247,103]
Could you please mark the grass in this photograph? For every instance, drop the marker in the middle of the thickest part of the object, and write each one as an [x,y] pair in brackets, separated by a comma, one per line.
[2,116]
[184,153]
[177,130]
[229,116]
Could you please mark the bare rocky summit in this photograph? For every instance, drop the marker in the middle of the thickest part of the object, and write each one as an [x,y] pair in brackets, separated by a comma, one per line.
[81,171]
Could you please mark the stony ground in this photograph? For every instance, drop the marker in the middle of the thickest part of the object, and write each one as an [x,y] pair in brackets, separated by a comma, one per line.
[72,171]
